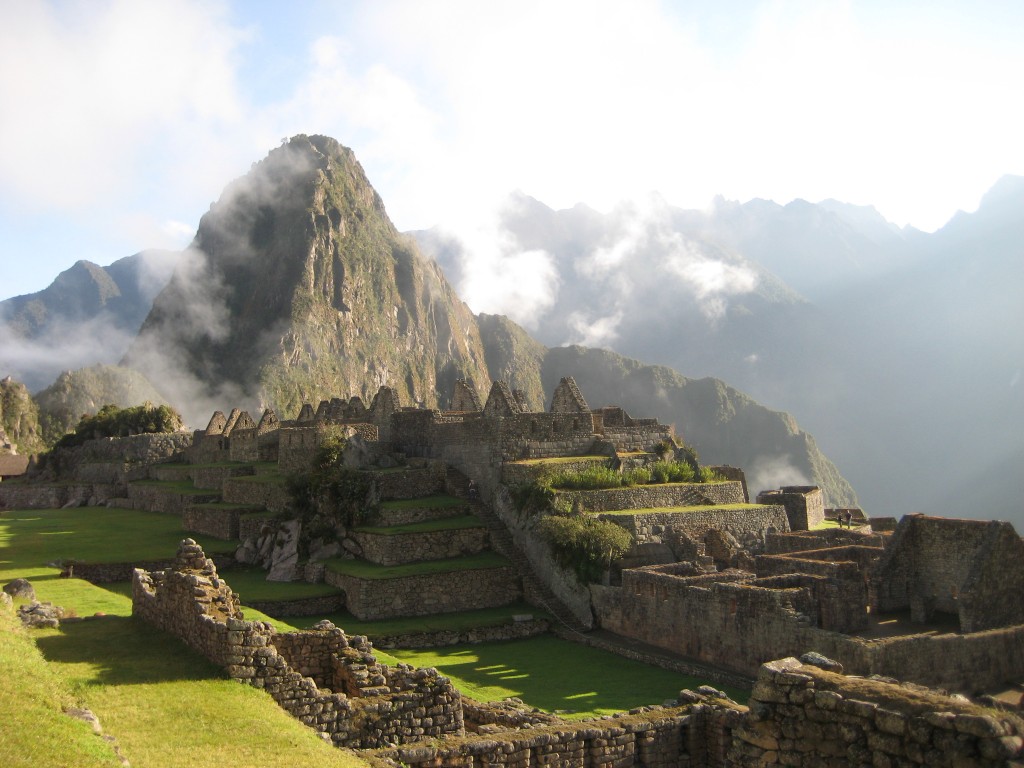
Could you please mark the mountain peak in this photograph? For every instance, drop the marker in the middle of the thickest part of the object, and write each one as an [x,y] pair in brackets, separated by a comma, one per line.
[299,286]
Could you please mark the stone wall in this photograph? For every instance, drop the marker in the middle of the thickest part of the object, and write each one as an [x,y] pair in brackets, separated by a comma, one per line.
[515,630]
[737,621]
[157,498]
[397,549]
[967,568]
[561,581]
[220,523]
[256,493]
[805,505]
[324,605]
[692,735]
[803,715]
[657,495]
[750,525]
[419,479]
[421,595]
[364,704]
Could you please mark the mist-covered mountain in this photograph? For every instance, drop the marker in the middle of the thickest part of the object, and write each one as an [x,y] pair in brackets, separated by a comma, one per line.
[899,350]
[298,287]
[89,314]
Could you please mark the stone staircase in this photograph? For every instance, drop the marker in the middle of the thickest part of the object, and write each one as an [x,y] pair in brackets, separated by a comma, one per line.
[535,590]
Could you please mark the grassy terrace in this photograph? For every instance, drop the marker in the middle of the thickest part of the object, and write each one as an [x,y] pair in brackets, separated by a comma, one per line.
[555,461]
[429,526]
[456,622]
[141,683]
[364,570]
[269,477]
[183,487]
[93,535]
[440,501]
[663,510]
[554,675]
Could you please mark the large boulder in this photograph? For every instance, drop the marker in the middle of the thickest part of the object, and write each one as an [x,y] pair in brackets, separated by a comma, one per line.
[20,588]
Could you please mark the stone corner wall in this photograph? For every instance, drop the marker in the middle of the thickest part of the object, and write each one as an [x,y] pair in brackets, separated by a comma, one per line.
[811,714]
[325,679]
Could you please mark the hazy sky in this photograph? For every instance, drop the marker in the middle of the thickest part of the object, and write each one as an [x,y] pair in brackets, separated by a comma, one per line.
[120,122]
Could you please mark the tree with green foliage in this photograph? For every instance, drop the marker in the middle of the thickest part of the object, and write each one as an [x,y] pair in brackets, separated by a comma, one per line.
[111,421]
[330,493]
[584,543]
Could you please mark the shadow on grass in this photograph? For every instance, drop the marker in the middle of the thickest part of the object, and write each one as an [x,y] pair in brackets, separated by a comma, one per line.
[124,651]
[555,675]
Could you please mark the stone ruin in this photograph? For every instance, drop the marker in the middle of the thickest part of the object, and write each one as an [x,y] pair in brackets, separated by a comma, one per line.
[936,602]
[801,712]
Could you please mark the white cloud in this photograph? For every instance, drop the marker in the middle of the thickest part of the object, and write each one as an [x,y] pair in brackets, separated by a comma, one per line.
[93,89]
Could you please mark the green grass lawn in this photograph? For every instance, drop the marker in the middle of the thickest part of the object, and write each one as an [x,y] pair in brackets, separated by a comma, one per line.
[183,487]
[554,675]
[251,584]
[442,524]
[440,501]
[33,538]
[367,570]
[463,620]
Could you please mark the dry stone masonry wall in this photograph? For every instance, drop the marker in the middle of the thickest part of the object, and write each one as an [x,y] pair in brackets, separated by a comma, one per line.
[327,680]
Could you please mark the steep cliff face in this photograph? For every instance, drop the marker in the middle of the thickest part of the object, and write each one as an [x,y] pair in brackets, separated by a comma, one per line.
[299,287]
[19,419]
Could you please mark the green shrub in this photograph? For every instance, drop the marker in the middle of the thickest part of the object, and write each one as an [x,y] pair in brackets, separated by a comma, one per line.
[589,479]
[708,475]
[111,421]
[637,476]
[330,493]
[584,543]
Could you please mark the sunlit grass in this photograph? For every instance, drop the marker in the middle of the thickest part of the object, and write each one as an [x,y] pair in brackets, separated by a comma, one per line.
[554,675]
[31,539]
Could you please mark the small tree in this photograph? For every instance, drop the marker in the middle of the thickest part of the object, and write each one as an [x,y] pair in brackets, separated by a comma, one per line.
[585,544]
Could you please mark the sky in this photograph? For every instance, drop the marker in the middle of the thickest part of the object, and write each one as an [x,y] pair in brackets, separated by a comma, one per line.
[122,120]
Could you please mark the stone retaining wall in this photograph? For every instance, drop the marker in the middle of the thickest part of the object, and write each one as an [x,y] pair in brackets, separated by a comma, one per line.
[215,477]
[369,599]
[398,549]
[515,630]
[272,496]
[803,715]
[408,515]
[657,495]
[750,526]
[695,735]
[366,705]
[411,483]
[307,606]
[218,523]
[154,498]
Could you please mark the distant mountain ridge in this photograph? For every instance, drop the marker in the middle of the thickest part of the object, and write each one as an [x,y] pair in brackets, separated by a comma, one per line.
[898,349]
[87,315]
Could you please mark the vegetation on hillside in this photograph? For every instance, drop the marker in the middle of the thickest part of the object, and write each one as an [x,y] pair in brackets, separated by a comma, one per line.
[111,421]
[585,544]
[78,393]
[19,417]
